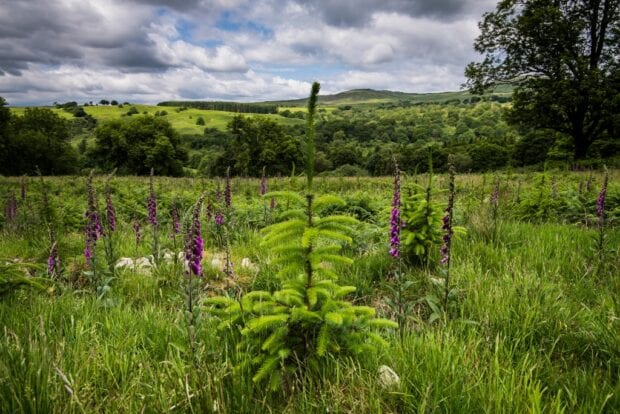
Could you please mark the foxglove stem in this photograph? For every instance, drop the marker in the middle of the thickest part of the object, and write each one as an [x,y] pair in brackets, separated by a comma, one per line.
[136,229]
[448,232]
[193,241]
[176,220]
[151,202]
[228,190]
[395,223]
[52,260]
[109,207]
[263,184]
[93,223]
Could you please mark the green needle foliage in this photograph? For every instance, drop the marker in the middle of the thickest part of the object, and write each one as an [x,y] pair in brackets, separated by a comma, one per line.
[422,223]
[294,328]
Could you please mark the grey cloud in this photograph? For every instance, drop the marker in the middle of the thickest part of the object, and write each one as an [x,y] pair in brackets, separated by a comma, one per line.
[355,13]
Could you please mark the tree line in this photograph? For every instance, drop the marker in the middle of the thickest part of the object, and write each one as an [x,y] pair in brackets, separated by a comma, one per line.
[240,107]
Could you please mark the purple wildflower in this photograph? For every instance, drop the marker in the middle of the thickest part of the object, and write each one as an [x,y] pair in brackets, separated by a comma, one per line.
[136,229]
[219,218]
[228,190]
[151,202]
[395,224]
[52,260]
[193,241]
[600,202]
[446,226]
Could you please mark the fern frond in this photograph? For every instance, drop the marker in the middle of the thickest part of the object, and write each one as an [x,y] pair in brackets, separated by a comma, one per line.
[334,235]
[286,195]
[322,340]
[263,323]
[327,200]
[267,367]
[382,323]
[297,213]
[333,318]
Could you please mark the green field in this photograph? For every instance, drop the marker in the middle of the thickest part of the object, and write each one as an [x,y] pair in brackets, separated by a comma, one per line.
[531,326]
[183,121]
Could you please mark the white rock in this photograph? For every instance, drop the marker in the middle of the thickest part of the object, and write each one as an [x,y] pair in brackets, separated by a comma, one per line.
[143,263]
[124,262]
[387,377]
[216,263]
[168,257]
[246,263]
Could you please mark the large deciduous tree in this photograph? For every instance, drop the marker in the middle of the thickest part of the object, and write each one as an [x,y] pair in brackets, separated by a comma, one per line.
[135,146]
[562,55]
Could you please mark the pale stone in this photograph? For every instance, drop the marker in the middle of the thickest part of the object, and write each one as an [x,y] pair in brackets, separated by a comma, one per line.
[387,377]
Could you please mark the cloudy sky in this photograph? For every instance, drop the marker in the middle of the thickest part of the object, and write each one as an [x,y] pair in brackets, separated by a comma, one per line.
[245,50]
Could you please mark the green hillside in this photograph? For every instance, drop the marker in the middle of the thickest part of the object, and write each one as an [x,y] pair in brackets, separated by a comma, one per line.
[183,121]
[371,96]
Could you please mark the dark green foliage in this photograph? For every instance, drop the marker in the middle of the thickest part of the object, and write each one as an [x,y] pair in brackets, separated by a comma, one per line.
[36,141]
[252,143]
[15,275]
[487,156]
[137,145]
[421,218]
[252,108]
[562,57]
[200,121]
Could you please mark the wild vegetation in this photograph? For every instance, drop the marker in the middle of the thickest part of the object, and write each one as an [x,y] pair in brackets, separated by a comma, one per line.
[531,323]
[246,295]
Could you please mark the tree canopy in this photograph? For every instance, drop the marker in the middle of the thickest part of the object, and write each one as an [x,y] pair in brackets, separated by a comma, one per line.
[38,141]
[136,145]
[562,55]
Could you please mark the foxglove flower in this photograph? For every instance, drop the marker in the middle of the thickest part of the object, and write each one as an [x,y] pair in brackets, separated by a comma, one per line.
[193,241]
[219,218]
[228,190]
[52,260]
[263,184]
[395,224]
[446,226]
[151,203]
[136,229]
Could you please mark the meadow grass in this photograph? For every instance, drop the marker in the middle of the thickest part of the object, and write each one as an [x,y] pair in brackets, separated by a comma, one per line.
[182,121]
[533,327]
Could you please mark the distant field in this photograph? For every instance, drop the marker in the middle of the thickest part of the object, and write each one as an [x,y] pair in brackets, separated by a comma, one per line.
[183,121]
